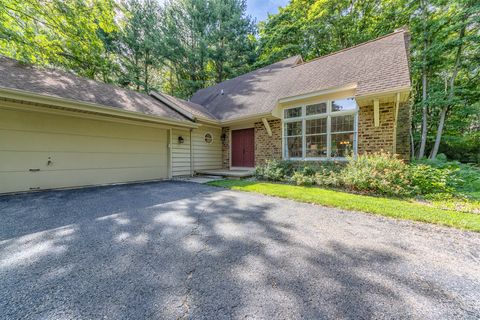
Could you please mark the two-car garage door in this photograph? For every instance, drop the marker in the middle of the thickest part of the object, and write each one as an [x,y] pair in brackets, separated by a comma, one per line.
[42,151]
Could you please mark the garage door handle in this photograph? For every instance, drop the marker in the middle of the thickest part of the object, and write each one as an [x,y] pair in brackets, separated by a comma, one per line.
[33,170]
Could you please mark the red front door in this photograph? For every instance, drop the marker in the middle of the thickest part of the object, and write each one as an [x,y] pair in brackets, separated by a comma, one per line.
[243,148]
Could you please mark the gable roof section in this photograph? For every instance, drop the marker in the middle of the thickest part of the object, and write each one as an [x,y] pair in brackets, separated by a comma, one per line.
[187,108]
[375,66]
[248,94]
[58,84]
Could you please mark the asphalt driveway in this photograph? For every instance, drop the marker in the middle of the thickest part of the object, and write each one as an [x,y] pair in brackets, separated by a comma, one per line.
[172,250]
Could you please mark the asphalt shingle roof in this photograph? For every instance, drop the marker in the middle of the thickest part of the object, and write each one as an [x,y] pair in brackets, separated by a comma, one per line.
[375,66]
[54,83]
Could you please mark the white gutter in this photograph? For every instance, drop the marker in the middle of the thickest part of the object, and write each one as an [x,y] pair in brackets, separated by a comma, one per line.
[350,86]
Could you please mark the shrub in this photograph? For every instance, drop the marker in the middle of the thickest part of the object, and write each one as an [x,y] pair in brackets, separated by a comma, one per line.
[426,179]
[301,179]
[328,178]
[379,173]
[274,170]
[463,178]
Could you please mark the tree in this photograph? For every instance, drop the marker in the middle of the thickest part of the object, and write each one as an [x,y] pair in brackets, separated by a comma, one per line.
[140,44]
[66,34]
[207,42]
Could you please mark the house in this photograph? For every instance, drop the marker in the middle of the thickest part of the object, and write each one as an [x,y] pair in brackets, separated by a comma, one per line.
[59,130]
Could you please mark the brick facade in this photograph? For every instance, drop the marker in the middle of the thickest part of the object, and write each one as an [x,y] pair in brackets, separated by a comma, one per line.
[374,139]
[403,131]
[267,147]
[370,138]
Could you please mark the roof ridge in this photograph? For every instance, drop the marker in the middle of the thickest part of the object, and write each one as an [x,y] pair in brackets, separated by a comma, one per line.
[401,30]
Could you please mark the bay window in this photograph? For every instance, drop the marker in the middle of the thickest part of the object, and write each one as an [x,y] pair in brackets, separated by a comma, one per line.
[321,131]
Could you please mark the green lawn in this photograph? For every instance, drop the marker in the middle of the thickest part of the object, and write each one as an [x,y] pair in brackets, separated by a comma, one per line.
[376,205]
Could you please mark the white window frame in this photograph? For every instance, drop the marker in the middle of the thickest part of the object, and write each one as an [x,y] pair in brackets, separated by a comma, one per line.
[328,115]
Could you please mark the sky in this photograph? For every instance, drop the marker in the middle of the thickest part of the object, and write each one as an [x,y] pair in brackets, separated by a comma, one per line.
[260,9]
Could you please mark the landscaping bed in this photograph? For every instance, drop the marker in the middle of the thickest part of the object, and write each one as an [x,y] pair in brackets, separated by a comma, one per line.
[439,192]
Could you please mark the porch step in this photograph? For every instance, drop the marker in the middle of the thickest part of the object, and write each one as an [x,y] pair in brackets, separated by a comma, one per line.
[227,173]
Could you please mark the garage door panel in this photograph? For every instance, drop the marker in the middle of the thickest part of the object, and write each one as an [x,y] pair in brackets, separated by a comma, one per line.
[39,141]
[84,156]
[50,123]
[21,161]
[24,181]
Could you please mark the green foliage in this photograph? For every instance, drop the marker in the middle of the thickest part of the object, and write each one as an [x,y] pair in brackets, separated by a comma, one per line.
[464,147]
[463,178]
[378,173]
[274,170]
[205,42]
[428,180]
[382,174]
[67,34]
[302,179]
[139,44]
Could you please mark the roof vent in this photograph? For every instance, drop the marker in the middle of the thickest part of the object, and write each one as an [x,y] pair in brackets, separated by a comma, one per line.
[222,92]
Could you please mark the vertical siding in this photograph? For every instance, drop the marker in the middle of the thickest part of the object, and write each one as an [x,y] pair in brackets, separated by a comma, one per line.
[207,155]
[180,153]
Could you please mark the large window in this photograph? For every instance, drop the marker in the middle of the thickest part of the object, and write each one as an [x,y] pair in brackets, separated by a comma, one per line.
[321,131]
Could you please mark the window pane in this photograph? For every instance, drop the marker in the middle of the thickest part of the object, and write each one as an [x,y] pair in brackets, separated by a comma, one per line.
[293,113]
[342,144]
[316,146]
[316,126]
[343,123]
[294,147]
[293,128]
[344,104]
[318,108]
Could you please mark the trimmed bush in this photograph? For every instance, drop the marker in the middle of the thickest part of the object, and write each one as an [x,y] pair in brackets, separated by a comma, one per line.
[274,170]
[378,173]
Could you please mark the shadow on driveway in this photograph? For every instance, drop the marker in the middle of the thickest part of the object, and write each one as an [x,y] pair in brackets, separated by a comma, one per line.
[170,250]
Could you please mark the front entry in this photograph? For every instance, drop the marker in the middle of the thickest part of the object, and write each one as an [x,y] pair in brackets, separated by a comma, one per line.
[243,148]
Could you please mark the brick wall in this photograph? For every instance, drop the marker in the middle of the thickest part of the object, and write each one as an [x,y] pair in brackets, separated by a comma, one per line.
[267,147]
[403,131]
[371,138]
[374,139]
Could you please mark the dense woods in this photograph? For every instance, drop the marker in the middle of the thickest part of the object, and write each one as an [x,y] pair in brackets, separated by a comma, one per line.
[184,45]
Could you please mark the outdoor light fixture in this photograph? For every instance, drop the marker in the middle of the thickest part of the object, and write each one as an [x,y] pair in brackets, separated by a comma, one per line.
[223,137]
[180,140]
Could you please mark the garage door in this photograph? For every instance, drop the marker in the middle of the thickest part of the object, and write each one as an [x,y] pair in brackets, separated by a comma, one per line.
[43,151]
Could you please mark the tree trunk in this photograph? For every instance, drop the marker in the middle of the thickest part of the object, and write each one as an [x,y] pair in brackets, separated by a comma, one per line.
[451,93]
[423,139]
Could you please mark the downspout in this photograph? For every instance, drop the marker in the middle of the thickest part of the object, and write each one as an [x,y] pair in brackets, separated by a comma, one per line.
[191,154]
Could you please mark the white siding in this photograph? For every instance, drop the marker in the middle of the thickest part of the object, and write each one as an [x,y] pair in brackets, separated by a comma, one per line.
[180,153]
[207,155]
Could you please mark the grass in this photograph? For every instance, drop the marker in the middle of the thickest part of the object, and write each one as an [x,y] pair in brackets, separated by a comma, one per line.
[394,208]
